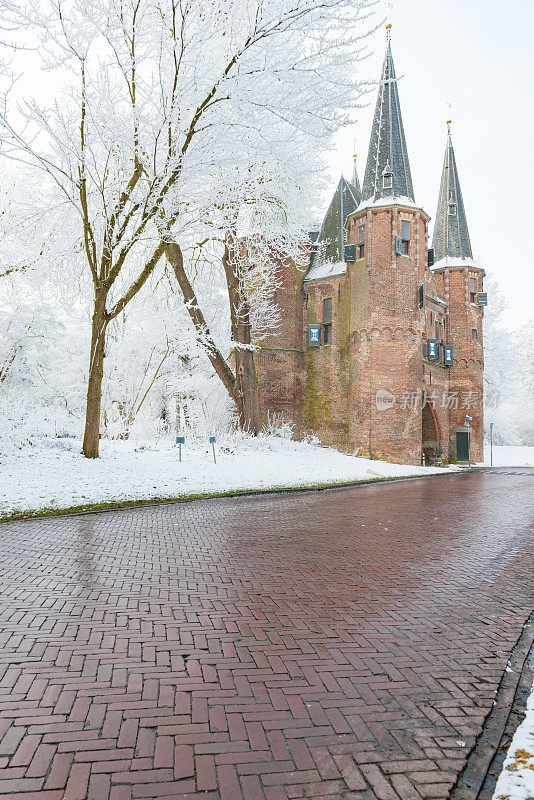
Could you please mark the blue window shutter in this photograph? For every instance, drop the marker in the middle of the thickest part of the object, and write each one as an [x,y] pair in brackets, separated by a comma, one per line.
[314,335]
[398,245]
[350,252]
[432,350]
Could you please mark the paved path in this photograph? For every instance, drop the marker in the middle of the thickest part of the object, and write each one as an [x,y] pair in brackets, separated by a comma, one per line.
[341,644]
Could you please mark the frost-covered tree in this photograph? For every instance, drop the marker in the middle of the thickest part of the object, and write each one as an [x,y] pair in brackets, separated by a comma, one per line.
[502,391]
[169,118]
[524,347]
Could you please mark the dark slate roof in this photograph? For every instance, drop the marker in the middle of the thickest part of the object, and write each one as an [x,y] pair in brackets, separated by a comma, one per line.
[387,148]
[451,235]
[329,244]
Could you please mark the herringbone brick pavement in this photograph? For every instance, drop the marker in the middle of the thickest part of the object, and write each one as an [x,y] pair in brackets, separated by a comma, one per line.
[343,644]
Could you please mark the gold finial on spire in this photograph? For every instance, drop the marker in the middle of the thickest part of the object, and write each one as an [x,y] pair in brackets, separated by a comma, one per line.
[388,34]
[449,126]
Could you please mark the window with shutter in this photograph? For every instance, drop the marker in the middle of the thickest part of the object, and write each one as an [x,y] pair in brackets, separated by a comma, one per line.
[327,320]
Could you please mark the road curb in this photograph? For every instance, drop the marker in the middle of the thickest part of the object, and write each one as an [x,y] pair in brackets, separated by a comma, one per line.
[190,498]
[472,778]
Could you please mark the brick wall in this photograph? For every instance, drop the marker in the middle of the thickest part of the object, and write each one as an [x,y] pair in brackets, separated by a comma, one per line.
[466,374]
[280,362]
[386,340]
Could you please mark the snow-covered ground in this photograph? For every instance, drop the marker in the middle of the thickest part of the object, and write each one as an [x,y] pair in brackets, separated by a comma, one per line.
[509,456]
[54,474]
[516,782]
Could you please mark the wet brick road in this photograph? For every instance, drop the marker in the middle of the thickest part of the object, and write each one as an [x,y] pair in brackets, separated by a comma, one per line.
[341,644]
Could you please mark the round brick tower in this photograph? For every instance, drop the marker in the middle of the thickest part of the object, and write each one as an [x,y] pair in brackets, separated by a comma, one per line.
[389,232]
[462,282]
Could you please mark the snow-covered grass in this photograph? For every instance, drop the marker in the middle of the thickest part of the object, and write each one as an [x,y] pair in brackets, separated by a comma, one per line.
[504,456]
[516,782]
[52,474]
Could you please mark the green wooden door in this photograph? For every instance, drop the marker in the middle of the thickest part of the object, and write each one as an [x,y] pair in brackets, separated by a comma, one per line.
[462,446]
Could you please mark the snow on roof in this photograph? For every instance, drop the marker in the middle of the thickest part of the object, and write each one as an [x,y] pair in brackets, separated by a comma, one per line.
[373,202]
[326,269]
[437,298]
[452,261]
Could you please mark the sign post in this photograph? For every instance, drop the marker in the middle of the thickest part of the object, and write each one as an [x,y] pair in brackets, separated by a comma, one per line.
[212,442]
[491,444]
[180,440]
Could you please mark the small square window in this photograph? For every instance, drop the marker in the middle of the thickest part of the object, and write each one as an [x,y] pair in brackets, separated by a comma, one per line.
[361,250]
[405,247]
[405,229]
[387,181]
[361,234]
[452,208]
[327,310]
[473,297]
[474,335]
[473,284]
[327,333]
[438,330]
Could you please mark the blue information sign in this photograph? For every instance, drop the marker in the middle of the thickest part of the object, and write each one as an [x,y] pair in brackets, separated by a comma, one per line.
[314,335]
[212,439]
[180,440]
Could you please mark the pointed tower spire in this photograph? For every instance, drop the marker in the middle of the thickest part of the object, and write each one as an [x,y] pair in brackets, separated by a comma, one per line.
[355,179]
[387,173]
[451,235]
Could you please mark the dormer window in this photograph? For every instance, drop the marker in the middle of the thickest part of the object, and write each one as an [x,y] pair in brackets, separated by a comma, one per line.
[452,209]
[387,181]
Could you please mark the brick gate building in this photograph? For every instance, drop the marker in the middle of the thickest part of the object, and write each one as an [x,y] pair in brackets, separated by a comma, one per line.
[380,349]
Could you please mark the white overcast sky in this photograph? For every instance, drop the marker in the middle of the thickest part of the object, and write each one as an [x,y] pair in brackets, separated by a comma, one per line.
[477,55]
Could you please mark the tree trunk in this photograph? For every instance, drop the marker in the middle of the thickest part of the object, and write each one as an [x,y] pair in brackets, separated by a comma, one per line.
[217,360]
[245,392]
[241,387]
[91,437]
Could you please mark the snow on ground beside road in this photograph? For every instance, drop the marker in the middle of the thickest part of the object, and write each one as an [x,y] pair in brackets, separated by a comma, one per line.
[509,456]
[516,781]
[53,474]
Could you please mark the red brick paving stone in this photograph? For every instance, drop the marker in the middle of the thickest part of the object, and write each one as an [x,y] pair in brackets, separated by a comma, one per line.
[229,787]
[41,761]
[184,762]
[240,648]
[59,771]
[350,772]
[404,788]
[205,773]
[77,782]
[99,787]
[25,751]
